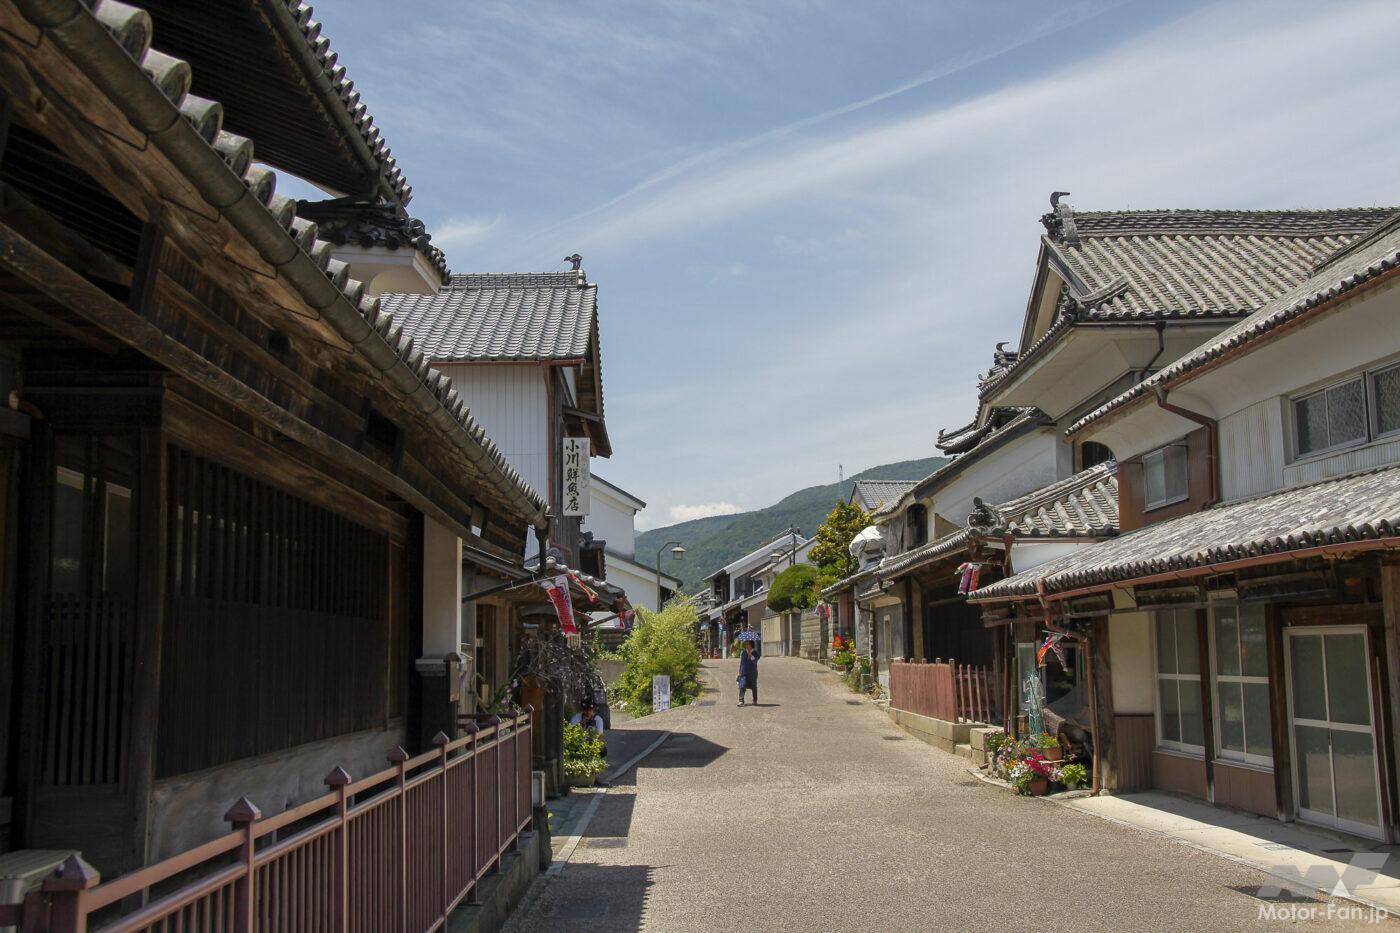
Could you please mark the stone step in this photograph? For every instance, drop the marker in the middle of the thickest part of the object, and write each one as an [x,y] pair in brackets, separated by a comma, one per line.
[963,749]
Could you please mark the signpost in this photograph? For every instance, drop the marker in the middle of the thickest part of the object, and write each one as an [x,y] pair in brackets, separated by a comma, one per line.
[660,693]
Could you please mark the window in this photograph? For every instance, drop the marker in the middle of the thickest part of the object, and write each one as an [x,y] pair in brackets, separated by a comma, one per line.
[1385,399]
[1333,417]
[1179,682]
[1239,646]
[917,517]
[1092,453]
[1164,476]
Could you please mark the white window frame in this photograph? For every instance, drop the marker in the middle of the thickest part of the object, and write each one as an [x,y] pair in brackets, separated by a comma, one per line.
[1160,454]
[1157,677]
[1372,412]
[1364,380]
[1216,678]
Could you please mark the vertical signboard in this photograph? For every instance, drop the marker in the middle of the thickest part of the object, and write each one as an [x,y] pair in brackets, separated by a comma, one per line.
[576,476]
[660,693]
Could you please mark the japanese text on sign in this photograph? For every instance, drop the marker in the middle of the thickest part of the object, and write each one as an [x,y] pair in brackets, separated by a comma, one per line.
[576,476]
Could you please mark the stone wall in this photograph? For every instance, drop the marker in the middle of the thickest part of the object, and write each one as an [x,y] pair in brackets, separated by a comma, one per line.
[814,641]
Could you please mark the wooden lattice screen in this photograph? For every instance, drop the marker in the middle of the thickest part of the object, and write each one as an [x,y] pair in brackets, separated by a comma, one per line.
[276,628]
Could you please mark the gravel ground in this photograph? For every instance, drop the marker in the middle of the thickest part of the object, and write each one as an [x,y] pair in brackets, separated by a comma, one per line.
[813,811]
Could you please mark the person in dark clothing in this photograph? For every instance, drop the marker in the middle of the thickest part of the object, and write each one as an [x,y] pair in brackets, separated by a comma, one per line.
[748,672]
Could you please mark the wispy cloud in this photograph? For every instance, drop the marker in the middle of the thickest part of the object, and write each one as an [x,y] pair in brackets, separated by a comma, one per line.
[461,232]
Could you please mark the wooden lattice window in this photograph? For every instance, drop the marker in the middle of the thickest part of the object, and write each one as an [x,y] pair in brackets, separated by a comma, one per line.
[277,620]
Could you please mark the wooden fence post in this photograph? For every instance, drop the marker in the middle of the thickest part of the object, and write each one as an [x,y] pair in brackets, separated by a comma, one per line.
[441,740]
[471,729]
[244,815]
[397,756]
[339,781]
[64,891]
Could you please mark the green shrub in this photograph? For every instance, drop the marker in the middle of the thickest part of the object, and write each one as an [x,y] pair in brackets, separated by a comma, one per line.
[794,589]
[583,752]
[661,643]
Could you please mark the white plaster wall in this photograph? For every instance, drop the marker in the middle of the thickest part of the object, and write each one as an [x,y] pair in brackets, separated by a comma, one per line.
[1362,334]
[1021,466]
[637,581]
[1026,555]
[512,404]
[610,518]
[1130,661]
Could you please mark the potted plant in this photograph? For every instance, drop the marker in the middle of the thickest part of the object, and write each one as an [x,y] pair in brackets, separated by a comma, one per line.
[1030,775]
[583,756]
[1073,776]
[1049,746]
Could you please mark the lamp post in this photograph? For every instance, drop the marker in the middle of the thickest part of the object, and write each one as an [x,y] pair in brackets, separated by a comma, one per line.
[677,552]
[792,562]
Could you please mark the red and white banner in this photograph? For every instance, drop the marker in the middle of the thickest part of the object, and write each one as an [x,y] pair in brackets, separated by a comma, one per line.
[558,590]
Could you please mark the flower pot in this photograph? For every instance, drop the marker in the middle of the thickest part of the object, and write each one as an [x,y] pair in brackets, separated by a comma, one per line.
[1053,753]
[1038,787]
[582,780]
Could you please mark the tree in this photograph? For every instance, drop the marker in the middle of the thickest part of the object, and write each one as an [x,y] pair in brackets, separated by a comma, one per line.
[832,550]
[794,589]
[661,643]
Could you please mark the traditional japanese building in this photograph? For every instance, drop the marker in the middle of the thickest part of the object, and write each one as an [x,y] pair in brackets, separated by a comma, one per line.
[237,499]
[1244,625]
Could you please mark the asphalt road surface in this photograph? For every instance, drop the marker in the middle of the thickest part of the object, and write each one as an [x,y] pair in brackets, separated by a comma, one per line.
[813,811]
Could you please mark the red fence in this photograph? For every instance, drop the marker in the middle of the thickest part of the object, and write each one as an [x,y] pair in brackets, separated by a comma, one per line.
[397,850]
[945,690]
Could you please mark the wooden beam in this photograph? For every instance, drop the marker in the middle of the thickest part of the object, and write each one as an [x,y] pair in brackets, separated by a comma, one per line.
[62,284]
[57,324]
[1106,739]
[1278,713]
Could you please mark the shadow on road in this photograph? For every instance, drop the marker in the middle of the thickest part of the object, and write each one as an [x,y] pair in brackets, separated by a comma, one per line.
[596,898]
[613,817]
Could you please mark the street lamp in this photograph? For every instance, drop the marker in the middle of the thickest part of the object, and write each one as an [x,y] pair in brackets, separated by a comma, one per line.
[677,552]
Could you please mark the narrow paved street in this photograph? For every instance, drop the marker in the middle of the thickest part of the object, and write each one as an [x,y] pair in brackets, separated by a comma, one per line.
[814,812]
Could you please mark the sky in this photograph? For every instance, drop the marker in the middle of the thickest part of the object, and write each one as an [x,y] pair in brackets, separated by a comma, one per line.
[810,222]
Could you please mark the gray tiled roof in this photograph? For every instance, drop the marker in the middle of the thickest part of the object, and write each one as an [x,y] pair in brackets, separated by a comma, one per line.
[1135,266]
[1084,505]
[1361,507]
[1377,256]
[149,86]
[870,494]
[501,317]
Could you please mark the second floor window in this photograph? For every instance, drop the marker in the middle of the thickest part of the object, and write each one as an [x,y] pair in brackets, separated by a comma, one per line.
[1352,412]
[918,525]
[1164,478]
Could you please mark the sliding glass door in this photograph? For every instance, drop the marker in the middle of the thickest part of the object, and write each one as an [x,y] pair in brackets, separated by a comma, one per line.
[1332,724]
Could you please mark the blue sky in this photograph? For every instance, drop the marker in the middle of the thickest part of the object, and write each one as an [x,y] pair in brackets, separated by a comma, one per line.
[810,222]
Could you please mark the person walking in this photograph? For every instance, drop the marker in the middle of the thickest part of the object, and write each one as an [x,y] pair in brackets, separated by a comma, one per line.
[748,672]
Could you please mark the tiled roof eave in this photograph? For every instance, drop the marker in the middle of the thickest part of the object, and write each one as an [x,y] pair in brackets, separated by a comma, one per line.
[302,34]
[1288,523]
[115,54]
[1264,324]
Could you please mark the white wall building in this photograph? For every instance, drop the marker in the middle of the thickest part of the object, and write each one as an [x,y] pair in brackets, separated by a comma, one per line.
[612,523]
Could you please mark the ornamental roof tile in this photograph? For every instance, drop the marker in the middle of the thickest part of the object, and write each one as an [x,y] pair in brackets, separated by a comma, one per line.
[1359,507]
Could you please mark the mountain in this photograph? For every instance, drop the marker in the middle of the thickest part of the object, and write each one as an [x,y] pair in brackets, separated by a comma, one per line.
[712,542]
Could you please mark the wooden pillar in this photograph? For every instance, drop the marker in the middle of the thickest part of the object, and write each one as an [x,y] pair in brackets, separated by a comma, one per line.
[149,635]
[1104,741]
[1390,596]
[436,667]
[1207,712]
[1278,714]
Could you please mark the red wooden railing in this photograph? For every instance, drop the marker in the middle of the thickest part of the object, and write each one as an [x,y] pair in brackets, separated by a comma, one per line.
[396,850]
[945,690]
